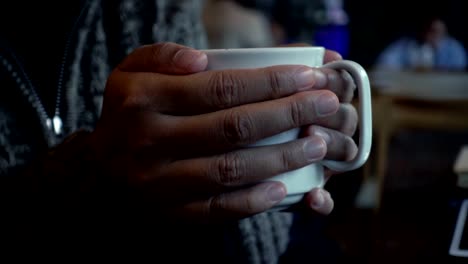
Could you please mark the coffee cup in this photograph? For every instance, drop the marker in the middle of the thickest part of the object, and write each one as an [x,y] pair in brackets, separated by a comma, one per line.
[302,180]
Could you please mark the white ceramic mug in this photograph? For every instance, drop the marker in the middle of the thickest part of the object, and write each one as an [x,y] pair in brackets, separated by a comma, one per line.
[300,181]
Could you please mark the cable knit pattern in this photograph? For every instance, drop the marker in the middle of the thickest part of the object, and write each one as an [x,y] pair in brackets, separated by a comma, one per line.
[13,153]
[80,114]
[129,12]
[264,237]
[177,22]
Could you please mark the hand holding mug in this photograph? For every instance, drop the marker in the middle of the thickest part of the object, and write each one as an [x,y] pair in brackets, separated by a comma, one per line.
[178,133]
[304,179]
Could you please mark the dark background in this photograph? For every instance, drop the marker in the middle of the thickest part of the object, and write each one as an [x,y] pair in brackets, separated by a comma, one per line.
[375,23]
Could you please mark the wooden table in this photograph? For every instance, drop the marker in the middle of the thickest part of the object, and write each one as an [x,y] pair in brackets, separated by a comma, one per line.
[416,100]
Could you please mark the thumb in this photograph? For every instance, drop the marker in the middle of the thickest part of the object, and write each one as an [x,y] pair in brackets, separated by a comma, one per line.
[168,58]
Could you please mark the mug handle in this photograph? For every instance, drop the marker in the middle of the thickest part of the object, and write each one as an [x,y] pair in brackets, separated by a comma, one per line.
[365,116]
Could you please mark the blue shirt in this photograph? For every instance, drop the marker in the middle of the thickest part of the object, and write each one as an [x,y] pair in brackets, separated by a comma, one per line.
[405,53]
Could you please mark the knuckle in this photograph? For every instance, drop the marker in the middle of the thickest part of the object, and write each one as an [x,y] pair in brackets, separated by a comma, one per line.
[216,204]
[276,83]
[230,169]
[130,103]
[350,119]
[225,89]
[130,96]
[287,160]
[350,85]
[343,148]
[296,111]
[238,128]
[250,203]
[350,148]
[354,117]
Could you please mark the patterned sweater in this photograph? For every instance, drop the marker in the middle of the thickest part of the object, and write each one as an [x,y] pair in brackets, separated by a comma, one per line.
[92,51]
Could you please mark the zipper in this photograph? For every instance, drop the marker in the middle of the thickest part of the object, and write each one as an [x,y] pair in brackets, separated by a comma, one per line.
[24,83]
[53,125]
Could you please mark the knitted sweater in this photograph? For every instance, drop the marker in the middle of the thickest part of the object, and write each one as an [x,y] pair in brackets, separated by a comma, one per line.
[103,34]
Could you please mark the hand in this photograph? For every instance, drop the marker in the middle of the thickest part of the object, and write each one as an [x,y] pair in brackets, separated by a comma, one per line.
[176,132]
[340,145]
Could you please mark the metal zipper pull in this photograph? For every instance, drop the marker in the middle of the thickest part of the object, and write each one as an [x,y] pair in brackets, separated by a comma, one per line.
[55,124]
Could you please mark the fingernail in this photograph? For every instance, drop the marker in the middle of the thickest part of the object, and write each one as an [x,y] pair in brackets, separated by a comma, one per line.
[319,200]
[276,193]
[190,59]
[314,149]
[326,104]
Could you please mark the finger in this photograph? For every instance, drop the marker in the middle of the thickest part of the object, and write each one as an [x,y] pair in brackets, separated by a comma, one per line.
[345,120]
[169,58]
[244,125]
[341,83]
[319,200]
[243,167]
[235,205]
[331,55]
[339,145]
[216,90]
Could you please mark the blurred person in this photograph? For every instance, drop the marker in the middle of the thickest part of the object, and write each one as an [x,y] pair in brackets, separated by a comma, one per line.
[431,47]
[233,24]
[115,139]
